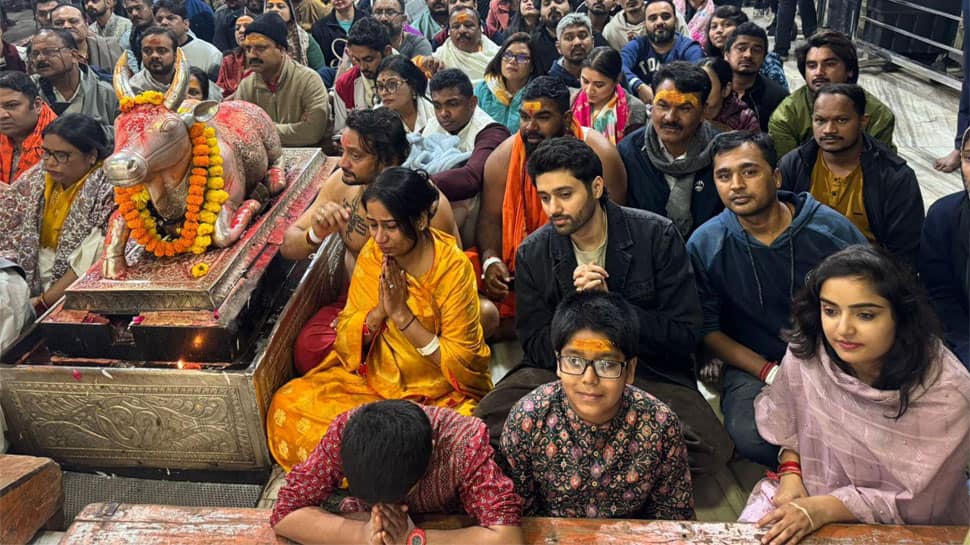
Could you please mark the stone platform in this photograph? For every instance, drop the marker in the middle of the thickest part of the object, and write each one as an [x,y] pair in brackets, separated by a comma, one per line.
[106,412]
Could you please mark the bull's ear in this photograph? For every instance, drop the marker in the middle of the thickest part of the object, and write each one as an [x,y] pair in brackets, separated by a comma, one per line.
[205,111]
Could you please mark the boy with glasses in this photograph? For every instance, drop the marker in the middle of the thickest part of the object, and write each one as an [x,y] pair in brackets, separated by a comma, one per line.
[591,444]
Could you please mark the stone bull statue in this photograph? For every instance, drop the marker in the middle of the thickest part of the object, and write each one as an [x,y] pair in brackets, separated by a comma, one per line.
[153,147]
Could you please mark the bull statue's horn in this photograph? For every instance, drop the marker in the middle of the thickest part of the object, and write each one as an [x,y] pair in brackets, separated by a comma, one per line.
[120,80]
[180,82]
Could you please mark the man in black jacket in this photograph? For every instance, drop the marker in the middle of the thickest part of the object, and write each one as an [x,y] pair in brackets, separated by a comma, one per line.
[590,243]
[745,51]
[857,175]
[330,34]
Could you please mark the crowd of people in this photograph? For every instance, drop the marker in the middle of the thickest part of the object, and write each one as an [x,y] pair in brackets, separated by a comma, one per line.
[630,192]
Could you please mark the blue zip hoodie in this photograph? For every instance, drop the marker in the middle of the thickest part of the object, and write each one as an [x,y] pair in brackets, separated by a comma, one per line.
[640,60]
[746,287]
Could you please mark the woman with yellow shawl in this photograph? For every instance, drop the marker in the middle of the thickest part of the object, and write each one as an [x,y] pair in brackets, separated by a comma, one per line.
[410,329]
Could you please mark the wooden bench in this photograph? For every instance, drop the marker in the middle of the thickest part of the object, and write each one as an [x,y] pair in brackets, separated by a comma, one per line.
[30,495]
[124,524]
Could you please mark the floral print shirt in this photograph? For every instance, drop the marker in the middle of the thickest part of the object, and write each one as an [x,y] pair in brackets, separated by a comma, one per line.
[634,466]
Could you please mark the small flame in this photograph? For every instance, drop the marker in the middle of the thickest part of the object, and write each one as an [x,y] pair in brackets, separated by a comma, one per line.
[181,364]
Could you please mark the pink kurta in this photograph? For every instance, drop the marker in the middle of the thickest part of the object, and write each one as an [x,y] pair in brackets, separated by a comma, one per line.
[885,471]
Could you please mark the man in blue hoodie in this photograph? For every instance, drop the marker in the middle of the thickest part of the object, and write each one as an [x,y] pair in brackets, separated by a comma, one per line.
[659,45]
[748,261]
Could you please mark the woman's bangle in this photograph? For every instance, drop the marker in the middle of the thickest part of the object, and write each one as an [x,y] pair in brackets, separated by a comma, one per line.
[311,237]
[430,348]
[43,302]
[766,374]
[407,325]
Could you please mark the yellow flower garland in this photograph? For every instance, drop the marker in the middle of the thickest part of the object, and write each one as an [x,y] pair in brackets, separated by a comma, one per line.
[203,203]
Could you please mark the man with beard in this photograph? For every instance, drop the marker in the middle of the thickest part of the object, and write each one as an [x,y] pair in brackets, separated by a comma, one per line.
[292,94]
[42,12]
[372,140]
[857,175]
[367,45]
[94,50]
[575,41]
[592,244]
[511,208]
[23,117]
[224,37]
[105,22]
[628,23]
[544,38]
[466,47]
[67,85]
[141,16]
[390,14]
[599,13]
[660,45]
[745,51]
[670,158]
[944,260]
[432,19]
[158,56]
[748,262]
[331,31]
[827,57]
[174,15]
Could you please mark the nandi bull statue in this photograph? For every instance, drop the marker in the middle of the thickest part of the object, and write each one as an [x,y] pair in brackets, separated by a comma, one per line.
[186,179]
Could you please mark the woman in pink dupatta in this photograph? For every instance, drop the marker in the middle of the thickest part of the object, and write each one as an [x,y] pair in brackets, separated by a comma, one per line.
[601,103]
[871,411]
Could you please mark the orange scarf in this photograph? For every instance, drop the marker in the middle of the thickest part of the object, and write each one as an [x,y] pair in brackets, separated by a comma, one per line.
[30,151]
[521,208]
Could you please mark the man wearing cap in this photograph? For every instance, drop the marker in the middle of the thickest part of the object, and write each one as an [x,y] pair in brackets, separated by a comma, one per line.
[292,94]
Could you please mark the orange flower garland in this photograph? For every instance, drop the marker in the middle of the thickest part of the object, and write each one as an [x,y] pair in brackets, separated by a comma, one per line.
[203,203]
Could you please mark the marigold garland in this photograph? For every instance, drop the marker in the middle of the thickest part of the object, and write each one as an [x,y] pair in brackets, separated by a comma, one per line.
[203,203]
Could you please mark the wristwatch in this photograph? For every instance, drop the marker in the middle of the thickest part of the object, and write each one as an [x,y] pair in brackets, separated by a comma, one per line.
[417,537]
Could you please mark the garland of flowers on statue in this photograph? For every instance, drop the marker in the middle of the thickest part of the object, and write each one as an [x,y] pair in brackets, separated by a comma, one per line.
[203,203]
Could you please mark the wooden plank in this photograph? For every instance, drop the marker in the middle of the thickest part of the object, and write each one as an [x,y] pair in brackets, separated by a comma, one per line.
[125,524]
[30,495]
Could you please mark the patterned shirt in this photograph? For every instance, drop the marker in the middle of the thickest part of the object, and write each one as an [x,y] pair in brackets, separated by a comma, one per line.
[117,27]
[634,466]
[462,476]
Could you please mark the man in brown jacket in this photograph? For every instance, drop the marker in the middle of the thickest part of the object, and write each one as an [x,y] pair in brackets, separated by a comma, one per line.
[292,94]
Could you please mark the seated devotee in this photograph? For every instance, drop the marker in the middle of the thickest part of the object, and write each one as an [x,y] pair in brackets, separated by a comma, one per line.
[669,159]
[173,14]
[592,244]
[603,104]
[158,51]
[944,260]
[749,261]
[10,58]
[234,68]
[390,13]
[401,87]
[95,51]
[697,14]
[626,25]
[224,35]
[399,458]
[68,86]
[745,51]
[466,47]
[524,19]
[658,46]
[457,114]
[442,35]
[500,13]
[199,87]
[141,16]
[331,31]
[53,220]
[292,94]
[723,109]
[302,48]
[410,329]
[869,408]
[367,45]
[726,18]
[857,175]
[574,42]
[511,208]
[104,21]
[372,141]
[23,117]
[500,93]
[432,19]
[827,57]
[546,439]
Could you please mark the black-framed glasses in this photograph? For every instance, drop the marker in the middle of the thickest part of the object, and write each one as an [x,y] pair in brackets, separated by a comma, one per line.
[389,13]
[575,365]
[47,52]
[58,156]
[391,85]
[517,59]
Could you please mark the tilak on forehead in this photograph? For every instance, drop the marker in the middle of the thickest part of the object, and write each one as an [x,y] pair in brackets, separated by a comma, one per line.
[675,98]
[258,39]
[531,106]
[463,17]
[592,345]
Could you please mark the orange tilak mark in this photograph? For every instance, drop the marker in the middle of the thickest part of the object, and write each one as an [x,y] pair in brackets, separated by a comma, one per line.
[532,106]
[592,345]
[675,98]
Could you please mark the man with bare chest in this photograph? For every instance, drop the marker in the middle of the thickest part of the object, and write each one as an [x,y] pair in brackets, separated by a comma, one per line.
[372,141]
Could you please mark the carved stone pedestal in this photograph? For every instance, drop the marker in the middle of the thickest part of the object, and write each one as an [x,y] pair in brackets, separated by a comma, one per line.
[184,385]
